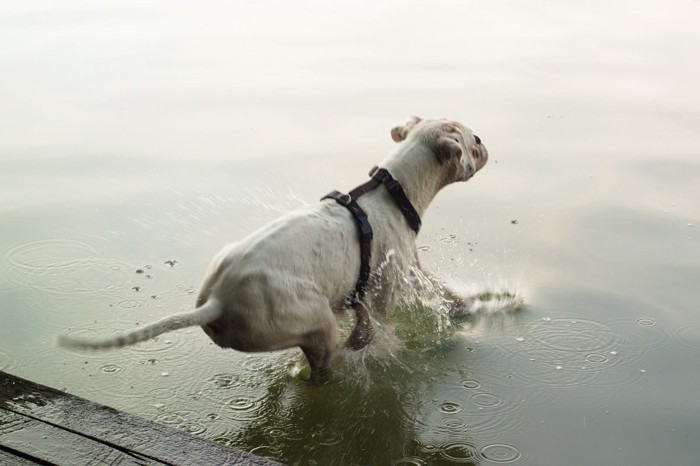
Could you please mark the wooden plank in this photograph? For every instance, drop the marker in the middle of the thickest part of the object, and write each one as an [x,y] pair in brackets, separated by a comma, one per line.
[15,459]
[45,443]
[36,420]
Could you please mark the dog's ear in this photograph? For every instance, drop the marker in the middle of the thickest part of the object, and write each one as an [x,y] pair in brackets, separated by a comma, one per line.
[399,133]
[447,148]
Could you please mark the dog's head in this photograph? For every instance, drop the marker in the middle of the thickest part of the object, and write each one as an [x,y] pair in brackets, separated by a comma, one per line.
[454,145]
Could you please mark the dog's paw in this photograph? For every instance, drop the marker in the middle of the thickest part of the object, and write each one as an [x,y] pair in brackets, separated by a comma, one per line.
[492,302]
[360,337]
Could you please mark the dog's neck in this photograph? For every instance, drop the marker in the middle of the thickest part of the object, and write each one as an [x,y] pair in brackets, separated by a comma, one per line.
[420,174]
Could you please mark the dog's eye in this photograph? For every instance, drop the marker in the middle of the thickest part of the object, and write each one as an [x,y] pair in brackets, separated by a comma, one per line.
[456,140]
[477,139]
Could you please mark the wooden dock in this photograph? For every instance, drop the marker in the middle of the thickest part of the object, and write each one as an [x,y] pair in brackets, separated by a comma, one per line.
[43,426]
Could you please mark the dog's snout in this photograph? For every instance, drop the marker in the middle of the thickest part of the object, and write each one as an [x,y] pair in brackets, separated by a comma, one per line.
[477,139]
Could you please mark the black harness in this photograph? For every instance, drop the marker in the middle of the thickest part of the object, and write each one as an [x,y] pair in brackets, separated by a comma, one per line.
[378,176]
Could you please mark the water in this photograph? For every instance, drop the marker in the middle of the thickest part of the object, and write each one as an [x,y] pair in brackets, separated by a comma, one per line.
[136,140]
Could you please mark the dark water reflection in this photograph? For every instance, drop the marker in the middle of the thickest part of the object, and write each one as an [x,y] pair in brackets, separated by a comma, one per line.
[136,140]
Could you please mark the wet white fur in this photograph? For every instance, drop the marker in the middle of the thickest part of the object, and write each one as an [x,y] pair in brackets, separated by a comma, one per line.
[280,286]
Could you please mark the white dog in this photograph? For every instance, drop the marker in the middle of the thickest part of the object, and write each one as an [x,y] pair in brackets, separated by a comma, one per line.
[279,287]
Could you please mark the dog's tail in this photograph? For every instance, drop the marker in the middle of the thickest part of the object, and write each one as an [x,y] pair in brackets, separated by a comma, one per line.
[204,314]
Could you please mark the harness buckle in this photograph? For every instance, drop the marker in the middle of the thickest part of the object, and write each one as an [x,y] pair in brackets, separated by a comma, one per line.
[344,199]
[340,198]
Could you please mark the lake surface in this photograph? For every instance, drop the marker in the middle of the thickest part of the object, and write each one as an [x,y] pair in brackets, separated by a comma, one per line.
[137,139]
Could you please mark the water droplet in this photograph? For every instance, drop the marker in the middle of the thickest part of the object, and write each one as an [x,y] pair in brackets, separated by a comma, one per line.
[643,371]
[164,374]
[646,322]
[559,368]
[547,319]
[172,263]
[136,288]
[139,270]
[614,353]
[520,339]
[424,248]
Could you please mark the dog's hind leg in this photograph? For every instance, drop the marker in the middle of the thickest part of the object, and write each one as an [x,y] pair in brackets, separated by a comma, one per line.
[363,333]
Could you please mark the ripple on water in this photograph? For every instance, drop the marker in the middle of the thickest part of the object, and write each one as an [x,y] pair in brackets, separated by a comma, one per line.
[486,400]
[452,426]
[188,421]
[111,368]
[257,363]
[5,359]
[323,435]
[50,256]
[642,335]
[59,266]
[132,303]
[449,407]
[563,352]
[482,413]
[168,346]
[501,453]
[244,407]
[450,239]
[162,393]
[458,452]
[571,335]
[471,384]
[568,352]
[408,461]
[111,382]
[690,336]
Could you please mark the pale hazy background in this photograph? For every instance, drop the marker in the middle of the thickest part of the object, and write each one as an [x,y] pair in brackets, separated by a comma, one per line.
[135,133]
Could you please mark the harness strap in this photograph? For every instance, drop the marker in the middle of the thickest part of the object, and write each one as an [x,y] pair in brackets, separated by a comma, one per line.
[364,228]
[399,196]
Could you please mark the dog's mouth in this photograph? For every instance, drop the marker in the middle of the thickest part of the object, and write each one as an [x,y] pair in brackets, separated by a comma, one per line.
[478,155]
[481,154]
